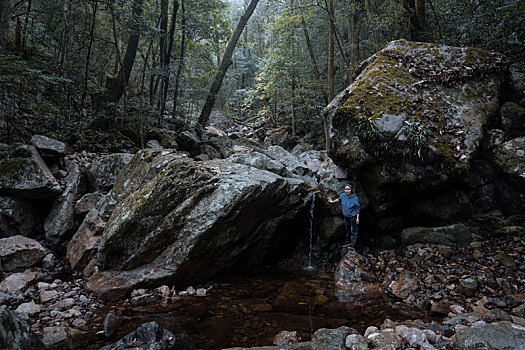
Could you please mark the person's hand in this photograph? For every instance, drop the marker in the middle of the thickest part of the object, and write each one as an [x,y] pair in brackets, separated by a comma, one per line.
[357,221]
[330,200]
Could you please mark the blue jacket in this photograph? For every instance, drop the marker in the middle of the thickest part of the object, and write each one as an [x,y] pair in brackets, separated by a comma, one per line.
[351,205]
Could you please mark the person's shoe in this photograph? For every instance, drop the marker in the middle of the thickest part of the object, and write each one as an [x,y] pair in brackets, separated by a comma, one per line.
[347,245]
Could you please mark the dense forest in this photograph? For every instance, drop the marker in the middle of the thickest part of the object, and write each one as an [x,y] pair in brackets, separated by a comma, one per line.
[84,66]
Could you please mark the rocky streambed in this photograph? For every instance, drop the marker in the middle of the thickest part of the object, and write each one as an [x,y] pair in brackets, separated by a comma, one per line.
[421,296]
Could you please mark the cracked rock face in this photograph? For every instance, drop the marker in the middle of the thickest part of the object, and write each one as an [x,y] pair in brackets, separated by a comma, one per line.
[180,220]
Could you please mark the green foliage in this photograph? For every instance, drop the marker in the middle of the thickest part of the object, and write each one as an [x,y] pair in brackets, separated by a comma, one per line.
[416,137]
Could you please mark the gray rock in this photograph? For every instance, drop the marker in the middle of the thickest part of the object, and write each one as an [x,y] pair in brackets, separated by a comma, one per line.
[17,217]
[403,286]
[289,160]
[519,310]
[331,339]
[351,277]
[502,335]
[510,157]
[468,286]
[412,337]
[50,146]
[19,252]
[52,336]
[506,260]
[386,337]
[15,334]
[24,174]
[49,261]
[151,335]
[153,144]
[111,324]
[513,119]
[193,220]
[356,342]
[87,202]
[61,219]
[104,170]
[29,308]
[452,235]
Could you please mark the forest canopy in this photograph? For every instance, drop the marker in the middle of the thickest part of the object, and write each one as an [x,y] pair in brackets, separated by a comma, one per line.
[135,65]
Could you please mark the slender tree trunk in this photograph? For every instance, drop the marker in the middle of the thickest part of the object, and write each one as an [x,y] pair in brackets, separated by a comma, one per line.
[354,45]
[162,54]
[88,56]
[311,51]
[115,39]
[65,34]
[181,60]
[26,28]
[116,91]
[416,19]
[6,8]
[331,85]
[225,63]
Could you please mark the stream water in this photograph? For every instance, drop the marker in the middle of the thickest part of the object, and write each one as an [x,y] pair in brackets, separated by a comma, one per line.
[249,311]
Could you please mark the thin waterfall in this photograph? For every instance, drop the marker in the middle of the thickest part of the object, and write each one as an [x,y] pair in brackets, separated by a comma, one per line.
[312,209]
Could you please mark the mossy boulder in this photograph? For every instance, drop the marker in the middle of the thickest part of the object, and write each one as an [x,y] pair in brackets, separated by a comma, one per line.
[182,221]
[23,173]
[417,103]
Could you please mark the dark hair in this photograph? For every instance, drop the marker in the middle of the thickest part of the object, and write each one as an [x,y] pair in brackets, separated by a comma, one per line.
[348,185]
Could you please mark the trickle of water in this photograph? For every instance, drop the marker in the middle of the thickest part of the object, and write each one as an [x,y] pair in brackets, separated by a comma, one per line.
[312,209]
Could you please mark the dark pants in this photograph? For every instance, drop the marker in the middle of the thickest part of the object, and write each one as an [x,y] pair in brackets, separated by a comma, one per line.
[350,230]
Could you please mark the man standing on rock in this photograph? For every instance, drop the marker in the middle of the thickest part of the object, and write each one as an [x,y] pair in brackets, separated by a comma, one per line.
[351,208]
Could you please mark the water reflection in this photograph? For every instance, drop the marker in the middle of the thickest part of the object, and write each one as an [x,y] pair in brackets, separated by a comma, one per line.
[250,311]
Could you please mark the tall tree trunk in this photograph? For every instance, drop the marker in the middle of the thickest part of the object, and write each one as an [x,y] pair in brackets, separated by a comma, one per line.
[6,8]
[317,74]
[26,29]
[162,54]
[88,56]
[416,19]
[225,63]
[354,45]
[116,91]
[330,80]
[181,60]
[167,59]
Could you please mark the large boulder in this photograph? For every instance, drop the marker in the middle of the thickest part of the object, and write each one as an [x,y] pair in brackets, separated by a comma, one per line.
[17,217]
[411,123]
[16,334]
[180,220]
[19,252]
[23,173]
[49,147]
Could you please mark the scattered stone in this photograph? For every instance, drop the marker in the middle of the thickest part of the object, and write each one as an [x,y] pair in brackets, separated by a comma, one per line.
[153,335]
[54,335]
[285,338]
[111,324]
[356,342]
[331,339]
